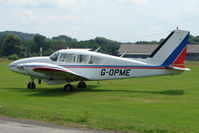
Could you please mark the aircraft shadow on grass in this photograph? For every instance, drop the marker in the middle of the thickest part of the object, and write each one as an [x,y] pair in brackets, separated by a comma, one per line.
[57,92]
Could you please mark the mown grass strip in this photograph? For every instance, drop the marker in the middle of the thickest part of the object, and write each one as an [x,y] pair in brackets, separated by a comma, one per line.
[153,104]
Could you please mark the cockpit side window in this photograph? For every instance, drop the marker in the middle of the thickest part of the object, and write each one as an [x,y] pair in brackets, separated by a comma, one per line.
[95,60]
[62,57]
[54,56]
[82,58]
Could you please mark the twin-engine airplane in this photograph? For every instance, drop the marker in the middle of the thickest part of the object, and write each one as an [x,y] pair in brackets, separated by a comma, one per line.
[65,66]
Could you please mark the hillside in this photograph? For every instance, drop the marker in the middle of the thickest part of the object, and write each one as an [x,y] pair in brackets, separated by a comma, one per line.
[22,44]
[23,36]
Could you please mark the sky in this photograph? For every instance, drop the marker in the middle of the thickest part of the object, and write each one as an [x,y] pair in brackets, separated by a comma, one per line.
[120,20]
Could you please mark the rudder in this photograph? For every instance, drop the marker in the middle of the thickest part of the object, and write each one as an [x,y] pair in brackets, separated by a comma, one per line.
[172,51]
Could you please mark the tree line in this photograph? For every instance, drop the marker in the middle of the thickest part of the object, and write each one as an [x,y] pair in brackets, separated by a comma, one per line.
[14,47]
[18,45]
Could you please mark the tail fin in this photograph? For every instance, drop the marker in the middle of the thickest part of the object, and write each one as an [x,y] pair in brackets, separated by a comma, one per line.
[172,51]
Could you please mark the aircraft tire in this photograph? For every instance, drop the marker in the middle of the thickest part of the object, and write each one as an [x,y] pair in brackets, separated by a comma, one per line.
[39,81]
[68,88]
[31,85]
[81,85]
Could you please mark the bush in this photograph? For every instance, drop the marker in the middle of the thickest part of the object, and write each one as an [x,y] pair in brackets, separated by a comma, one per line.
[13,57]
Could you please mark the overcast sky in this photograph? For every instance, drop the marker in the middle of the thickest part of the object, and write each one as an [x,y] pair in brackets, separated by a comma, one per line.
[121,20]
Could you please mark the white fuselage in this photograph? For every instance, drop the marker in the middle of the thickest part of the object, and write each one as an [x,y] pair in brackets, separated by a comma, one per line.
[78,65]
[105,67]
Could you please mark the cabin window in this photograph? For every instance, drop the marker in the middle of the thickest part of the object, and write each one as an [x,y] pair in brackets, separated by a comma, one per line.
[54,56]
[64,57]
[70,58]
[82,58]
[95,60]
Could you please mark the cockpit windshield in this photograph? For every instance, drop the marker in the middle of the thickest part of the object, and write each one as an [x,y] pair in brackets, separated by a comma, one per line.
[54,56]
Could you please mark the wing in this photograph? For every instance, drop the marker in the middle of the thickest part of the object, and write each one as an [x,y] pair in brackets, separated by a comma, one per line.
[57,72]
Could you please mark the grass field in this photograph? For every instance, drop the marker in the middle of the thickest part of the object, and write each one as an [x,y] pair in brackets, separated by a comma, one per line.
[155,104]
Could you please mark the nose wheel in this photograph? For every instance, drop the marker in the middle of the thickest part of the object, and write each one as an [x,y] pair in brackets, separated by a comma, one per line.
[81,85]
[31,85]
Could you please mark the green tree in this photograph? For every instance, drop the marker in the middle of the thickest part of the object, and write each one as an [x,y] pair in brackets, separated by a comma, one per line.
[108,46]
[193,39]
[29,47]
[57,45]
[40,41]
[11,44]
[64,38]
[147,42]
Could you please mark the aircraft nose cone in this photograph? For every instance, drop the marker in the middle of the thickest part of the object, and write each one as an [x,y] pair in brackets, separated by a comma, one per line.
[11,66]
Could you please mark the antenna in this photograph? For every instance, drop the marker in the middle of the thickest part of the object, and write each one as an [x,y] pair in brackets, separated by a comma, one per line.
[97,49]
[40,51]
[123,54]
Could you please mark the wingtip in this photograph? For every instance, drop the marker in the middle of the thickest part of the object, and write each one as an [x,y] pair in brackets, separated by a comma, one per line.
[187,69]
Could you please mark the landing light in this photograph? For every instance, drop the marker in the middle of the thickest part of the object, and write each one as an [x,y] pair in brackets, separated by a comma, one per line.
[20,67]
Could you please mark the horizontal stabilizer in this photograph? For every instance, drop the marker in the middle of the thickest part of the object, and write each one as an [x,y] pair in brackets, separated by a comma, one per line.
[179,68]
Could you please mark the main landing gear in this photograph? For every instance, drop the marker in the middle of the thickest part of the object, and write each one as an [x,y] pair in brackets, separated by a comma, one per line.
[81,85]
[69,88]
